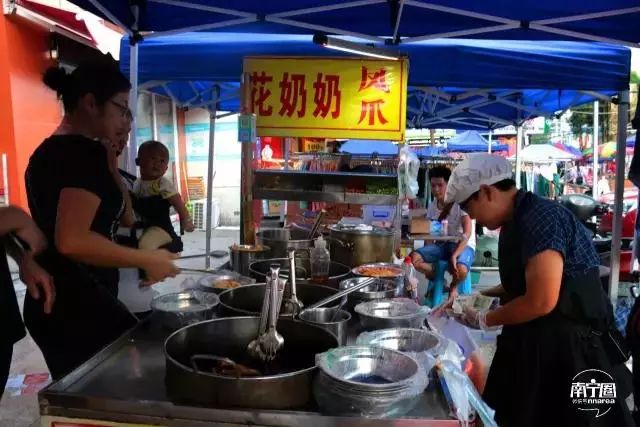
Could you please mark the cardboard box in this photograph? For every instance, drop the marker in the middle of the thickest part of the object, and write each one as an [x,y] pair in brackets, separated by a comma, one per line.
[419,225]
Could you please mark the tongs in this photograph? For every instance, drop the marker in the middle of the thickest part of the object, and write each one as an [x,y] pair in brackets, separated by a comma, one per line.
[268,342]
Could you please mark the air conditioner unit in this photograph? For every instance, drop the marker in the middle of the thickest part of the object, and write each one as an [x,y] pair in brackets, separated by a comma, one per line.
[199,214]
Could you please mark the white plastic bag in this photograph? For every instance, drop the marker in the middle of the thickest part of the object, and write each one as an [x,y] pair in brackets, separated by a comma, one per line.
[408,167]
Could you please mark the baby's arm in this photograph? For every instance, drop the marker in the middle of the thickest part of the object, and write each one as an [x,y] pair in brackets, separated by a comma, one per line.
[181,208]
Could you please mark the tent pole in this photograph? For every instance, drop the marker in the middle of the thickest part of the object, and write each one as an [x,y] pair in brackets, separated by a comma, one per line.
[133,106]
[176,147]
[623,111]
[247,226]
[519,138]
[596,136]
[212,135]
[490,140]
[154,117]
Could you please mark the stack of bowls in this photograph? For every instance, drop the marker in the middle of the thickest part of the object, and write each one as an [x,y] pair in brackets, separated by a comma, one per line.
[421,344]
[391,313]
[367,381]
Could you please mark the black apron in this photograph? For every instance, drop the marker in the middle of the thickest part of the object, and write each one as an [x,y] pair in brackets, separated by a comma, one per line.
[529,383]
[155,211]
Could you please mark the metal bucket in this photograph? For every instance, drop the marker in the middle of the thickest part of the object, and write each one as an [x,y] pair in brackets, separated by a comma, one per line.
[247,300]
[242,256]
[284,384]
[324,318]
[280,240]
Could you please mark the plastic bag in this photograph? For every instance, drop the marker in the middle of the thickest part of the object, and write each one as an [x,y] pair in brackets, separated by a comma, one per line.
[408,167]
[464,395]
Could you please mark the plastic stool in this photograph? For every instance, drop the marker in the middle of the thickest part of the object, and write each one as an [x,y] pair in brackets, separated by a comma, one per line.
[435,289]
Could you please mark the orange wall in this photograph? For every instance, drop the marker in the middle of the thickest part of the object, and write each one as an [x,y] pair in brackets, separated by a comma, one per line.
[29,112]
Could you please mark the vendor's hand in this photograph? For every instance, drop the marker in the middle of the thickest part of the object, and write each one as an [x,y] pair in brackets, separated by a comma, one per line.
[188,226]
[159,266]
[448,304]
[38,282]
[32,236]
[470,317]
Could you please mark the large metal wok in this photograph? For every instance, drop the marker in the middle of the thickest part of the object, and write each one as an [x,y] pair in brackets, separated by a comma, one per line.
[247,300]
[259,270]
[284,384]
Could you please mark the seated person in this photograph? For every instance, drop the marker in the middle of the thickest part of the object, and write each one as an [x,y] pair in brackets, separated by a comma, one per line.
[460,255]
[154,194]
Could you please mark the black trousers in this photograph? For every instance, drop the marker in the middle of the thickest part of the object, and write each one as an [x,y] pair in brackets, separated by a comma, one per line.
[6,353]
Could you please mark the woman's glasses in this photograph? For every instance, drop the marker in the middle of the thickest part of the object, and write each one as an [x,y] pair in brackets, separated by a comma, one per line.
[124,110]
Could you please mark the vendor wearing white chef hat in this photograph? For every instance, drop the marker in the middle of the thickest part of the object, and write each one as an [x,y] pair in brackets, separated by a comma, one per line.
[557,321]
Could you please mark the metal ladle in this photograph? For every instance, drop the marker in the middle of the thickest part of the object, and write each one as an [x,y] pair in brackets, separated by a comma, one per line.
[341,294]
[293,305]
[316,224]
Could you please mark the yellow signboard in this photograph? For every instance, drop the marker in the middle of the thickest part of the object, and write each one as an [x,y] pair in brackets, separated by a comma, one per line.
[328,97]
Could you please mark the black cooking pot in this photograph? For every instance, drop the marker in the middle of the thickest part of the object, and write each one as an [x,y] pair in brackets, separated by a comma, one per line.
[582,206]
[247,300]
[283,384]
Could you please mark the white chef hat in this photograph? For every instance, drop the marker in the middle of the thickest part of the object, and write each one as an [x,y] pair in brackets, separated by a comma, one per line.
[474,171]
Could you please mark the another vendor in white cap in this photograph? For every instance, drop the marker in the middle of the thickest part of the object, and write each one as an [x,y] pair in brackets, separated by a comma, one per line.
[557,319]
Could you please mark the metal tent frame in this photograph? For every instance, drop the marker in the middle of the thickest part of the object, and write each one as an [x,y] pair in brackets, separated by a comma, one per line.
[494,26]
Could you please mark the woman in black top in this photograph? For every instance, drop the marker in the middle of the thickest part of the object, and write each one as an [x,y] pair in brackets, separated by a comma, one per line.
[76,199]
[38,282]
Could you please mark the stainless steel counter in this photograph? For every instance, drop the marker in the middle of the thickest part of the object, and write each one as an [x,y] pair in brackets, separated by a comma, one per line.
[125,383]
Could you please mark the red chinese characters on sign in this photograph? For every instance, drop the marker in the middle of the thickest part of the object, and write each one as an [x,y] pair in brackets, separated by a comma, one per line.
[377,79]
[293,94]
[260,94]
[372,109]
[327,94]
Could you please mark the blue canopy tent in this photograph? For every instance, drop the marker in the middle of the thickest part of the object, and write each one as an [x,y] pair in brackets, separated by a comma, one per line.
[613,21]
[472,142]
[360,146]
[400,22]
[178,66]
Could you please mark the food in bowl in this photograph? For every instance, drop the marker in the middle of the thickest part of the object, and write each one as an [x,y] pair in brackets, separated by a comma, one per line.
[226,284]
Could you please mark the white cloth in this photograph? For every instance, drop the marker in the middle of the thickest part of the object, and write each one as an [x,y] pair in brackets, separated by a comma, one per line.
[156,187]
[454,220]
[474,171]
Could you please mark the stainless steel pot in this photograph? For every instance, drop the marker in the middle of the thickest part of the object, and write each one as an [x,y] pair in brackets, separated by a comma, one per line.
[381,289]
[333,320]
[355,247]
[247,300]
[176,310]
[337,272]
[241,256]
[279,240]
[284,384]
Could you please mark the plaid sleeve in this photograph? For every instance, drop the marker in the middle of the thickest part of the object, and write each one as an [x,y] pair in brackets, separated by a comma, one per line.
[544,228]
